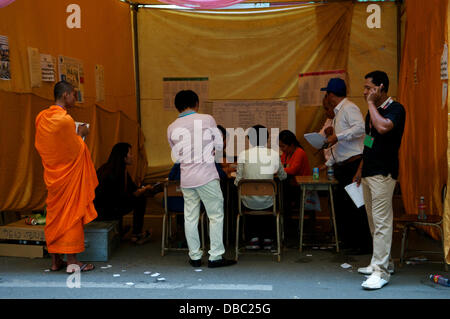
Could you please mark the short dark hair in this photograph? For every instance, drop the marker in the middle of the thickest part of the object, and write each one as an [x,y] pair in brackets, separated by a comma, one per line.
[379,77]
[60,88]
[289,138]
[185,99]
[260,141]
[222,130]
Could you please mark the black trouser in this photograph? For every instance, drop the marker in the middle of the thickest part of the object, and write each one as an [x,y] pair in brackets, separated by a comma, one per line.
[132,203]
[291,196]
[352,224]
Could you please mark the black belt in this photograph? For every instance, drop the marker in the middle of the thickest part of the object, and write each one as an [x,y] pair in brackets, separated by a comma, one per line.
[349,160]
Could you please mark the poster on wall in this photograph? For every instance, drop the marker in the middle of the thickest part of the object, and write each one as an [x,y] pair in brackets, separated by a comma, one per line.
[47,68]
[244,114]
[99,82]
[309,85]
[5,71]
[444,93]
[171,86]
[71,70]
[444,63]
[238,116]
[34,63]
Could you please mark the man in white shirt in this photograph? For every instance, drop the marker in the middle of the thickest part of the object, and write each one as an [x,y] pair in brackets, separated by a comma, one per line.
[259,162]
[193,138]
[346,150]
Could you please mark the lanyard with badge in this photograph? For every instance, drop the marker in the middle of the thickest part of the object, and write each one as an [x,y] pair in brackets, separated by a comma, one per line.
[369,139]
[186,114]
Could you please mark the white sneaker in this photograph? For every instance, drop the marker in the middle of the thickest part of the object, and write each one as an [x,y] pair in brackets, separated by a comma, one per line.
[374,282]
[369,269]
[366,270]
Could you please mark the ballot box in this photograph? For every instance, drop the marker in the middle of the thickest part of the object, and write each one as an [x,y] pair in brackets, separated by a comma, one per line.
[100,240]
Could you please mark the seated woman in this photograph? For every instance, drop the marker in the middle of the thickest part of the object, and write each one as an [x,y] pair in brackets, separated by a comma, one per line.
[294,158]
[117,195]
[295,163]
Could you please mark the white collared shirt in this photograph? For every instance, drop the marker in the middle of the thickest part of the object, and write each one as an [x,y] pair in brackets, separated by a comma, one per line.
[258,163]
[193,137]
[349,128]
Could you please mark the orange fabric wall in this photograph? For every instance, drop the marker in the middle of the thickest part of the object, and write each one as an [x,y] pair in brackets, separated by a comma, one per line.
[423,154]
[104,38]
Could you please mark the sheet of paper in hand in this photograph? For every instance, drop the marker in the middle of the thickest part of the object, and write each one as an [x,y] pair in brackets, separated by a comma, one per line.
[77,124]
[315,139]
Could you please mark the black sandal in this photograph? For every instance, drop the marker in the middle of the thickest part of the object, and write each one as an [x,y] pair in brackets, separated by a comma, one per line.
[141,238]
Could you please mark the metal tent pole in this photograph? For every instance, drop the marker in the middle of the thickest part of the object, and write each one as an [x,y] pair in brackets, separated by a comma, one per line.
[135,8]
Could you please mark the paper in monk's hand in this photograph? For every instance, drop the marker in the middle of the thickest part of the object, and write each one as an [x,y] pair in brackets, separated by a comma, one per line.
[315,139]
[77,124]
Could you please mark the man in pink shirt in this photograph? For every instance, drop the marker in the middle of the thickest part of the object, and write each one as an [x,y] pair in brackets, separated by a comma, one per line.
[194,138]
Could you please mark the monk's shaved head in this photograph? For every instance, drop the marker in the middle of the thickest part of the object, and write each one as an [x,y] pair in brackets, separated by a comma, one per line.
[60,88]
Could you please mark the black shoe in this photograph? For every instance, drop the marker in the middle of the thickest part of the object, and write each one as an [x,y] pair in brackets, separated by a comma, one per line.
[221,263]
[195,263]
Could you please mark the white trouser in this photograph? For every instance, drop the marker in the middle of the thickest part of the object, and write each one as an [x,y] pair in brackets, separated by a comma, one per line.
[378,191]
[211,196]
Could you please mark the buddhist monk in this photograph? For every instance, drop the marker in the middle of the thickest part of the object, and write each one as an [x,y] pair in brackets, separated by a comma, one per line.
[70,178]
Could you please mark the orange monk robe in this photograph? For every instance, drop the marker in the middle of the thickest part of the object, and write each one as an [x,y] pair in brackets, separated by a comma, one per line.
[70,178]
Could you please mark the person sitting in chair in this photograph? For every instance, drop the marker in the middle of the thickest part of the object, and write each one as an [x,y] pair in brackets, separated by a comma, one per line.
[117,195]
[259,162]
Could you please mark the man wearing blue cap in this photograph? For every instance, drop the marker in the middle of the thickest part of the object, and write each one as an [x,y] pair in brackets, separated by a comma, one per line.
[347,143]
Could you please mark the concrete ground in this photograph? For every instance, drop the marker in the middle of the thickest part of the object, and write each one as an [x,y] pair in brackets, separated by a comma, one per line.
[312,274]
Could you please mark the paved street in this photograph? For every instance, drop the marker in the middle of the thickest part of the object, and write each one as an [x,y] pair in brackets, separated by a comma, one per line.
[312,274]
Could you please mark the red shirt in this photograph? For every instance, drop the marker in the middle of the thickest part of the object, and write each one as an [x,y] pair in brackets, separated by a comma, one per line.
[297,164]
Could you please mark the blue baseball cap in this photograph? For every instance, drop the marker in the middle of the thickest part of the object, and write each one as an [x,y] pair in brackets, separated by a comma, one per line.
[336,86]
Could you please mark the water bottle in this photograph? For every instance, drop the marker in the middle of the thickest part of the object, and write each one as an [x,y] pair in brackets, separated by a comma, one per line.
[440,280]
[315,173]
[421,213]
[330,173]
